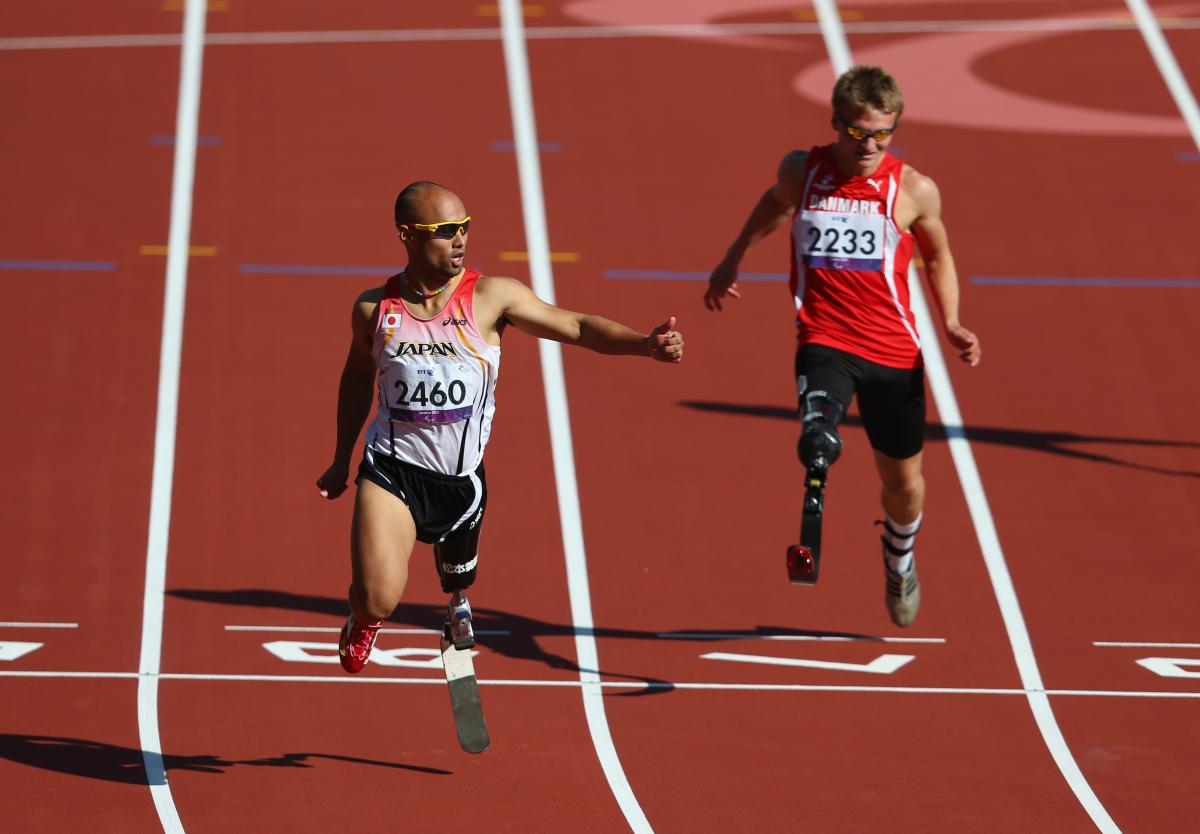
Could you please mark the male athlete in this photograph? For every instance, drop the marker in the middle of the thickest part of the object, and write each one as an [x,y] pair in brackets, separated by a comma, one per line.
[856,211]
[431,338]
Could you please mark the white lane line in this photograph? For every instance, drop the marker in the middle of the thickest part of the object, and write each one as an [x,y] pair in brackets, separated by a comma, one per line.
[977,503]
[655,685]
[516,65]
[821,638]
[186,129]
[39,625]
[336,630]
[679,30]
[1164,58]
[1147,646]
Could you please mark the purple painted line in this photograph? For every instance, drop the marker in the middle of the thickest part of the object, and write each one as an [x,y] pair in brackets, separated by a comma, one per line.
[680,275]
[169,139]
[1084,282]
[1188,156]
[61,266]
[544,147]
[314,269]
[453,415]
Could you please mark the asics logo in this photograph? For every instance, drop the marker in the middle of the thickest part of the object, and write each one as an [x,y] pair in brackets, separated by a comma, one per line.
[454,323]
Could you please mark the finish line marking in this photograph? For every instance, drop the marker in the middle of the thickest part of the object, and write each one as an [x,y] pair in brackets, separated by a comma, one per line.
[337,630]
[664,685]
[716,635]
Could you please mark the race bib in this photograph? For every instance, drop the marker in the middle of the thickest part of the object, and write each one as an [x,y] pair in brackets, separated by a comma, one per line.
[433,392]
[829,240]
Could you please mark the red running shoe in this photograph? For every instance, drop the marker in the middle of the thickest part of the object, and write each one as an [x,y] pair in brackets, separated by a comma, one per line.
[356,643]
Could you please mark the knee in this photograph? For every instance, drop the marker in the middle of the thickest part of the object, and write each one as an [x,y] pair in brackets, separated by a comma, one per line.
[372,604]
[820,444]
[906,487]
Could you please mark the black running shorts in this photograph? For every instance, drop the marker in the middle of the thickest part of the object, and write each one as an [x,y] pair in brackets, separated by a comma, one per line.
[444,507]
[891,401]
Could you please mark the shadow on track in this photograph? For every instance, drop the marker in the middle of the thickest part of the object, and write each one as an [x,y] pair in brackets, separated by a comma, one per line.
[111,763]
[521,643]
[1053,442]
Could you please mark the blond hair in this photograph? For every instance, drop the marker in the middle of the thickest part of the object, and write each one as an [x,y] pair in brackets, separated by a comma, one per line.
[861,87]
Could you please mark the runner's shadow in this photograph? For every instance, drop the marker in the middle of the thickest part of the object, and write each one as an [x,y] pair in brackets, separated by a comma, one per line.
[1055,443]
[522,641]
[112,763]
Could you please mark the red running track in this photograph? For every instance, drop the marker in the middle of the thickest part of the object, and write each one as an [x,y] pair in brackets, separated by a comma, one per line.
[1080,420]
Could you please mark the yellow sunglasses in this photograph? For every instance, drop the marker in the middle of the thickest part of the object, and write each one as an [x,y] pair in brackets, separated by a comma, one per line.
[860,134]
[447,229]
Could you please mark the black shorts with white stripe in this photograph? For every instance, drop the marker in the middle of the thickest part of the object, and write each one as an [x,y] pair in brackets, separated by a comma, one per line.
[444,507]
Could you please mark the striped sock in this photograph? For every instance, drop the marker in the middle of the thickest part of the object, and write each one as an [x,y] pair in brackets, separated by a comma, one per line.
[900,539]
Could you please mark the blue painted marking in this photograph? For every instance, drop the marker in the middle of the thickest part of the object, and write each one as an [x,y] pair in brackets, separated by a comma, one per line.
[544,147]
[678,275]
[314,269]
[169,139]
[1188,156]
[1085,282]
[61,266]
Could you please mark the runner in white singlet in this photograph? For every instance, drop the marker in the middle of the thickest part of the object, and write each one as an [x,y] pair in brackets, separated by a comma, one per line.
[425,352]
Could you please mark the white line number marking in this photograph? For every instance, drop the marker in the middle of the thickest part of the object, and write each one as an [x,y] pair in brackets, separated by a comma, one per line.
[885,664]
[1171,667]
[299,651]
[11,649]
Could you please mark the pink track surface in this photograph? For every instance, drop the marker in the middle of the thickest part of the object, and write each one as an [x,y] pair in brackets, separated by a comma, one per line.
[1067,158]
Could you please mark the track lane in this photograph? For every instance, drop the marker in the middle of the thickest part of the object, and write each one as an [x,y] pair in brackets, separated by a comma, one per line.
[660,553]
[252,544]
[81,186]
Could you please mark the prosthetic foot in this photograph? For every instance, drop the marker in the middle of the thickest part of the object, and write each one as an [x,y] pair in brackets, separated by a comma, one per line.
[819,447]
[804,559]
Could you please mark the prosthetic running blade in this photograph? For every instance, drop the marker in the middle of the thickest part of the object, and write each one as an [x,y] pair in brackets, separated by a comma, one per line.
[464,696]
[804,559]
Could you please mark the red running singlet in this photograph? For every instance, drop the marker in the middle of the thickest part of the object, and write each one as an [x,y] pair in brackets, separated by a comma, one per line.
[850,263]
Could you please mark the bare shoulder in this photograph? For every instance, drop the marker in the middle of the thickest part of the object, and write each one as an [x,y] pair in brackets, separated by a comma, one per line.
[498,286]
[918,187]
[496,296]
[789,185]
[366,307]
[793,166]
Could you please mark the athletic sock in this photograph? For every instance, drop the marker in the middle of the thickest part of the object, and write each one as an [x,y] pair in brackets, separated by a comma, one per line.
[901,537]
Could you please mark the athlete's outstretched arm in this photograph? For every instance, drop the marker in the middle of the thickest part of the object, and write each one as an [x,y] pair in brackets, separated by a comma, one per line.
[516,303]
[356,390]
[934,244]
[772,209]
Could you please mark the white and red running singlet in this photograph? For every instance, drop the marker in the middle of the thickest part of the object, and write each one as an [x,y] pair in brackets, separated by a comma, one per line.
[437,382]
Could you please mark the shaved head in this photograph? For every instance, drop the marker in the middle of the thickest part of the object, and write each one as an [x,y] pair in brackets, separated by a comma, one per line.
[424,202]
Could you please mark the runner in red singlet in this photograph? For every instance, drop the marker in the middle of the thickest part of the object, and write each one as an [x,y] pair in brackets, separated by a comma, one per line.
[856,212]
[425,348]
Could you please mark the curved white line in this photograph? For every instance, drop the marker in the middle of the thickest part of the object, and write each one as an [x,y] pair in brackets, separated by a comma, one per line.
[537,243]
[149,664]
[943,91]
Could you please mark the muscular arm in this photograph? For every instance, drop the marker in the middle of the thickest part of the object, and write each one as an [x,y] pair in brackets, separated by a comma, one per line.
[934,243]
[514,302]
[768,214]
[356,390]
